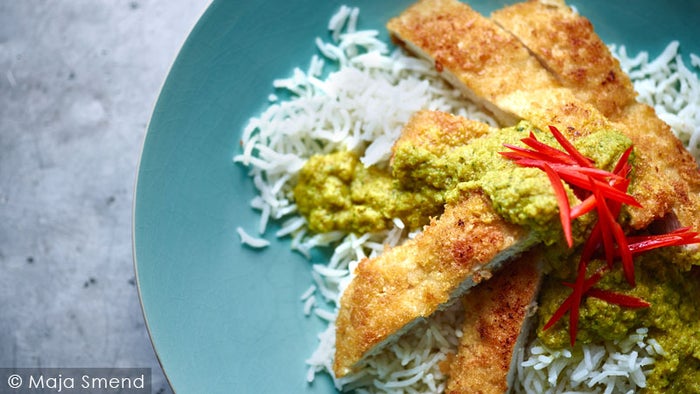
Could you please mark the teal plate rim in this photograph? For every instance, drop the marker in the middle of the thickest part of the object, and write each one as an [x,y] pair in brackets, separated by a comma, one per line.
[223,317]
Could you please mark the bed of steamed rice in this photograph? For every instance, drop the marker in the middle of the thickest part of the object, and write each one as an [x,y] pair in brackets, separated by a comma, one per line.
[361,104]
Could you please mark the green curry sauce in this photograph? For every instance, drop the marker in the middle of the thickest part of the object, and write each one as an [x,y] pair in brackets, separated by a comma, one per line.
[337,192]
[669,279]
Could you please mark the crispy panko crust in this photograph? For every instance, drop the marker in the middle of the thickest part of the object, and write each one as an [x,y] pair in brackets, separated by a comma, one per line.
[469,241]
[665,174]
[414,280]
[473,53]
[494,326]
[566,44]
[557,107]
[438,131]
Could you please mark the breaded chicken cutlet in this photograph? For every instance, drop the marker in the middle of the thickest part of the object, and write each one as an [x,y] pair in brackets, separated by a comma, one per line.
[449,32]
[566,44]
[391,292]
[438,131]
[493,67]
[498,316]
[479,58]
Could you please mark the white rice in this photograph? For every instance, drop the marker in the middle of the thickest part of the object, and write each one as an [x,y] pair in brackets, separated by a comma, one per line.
[671,87]
[360,103]
[254,242]
[615,367]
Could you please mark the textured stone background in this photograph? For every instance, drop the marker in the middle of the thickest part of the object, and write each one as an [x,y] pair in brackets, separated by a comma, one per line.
[78,80]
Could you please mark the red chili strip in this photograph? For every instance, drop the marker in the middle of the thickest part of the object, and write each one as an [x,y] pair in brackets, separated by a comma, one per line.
[558,314]
[587,205]
[613,297]
[576,297]
[566,305]
[617,298]
[625,253]
[623,162]
[562,201]
[593,242]
[679,237]
[554,154]
[606,221]
[570,148]
[595,173]
[606,189]
[517,154]
[618,233]
[614,232]
[578,179]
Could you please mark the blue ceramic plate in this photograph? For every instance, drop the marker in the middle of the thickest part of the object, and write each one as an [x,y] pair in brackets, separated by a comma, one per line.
[225,318]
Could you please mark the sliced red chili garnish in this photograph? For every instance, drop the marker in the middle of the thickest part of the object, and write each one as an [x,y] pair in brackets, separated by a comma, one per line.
[519,153]
[581,180]
[605,222]
[562,201]
[678,237]
[570,148]
[583,208]
[576,297]
[554,154]
[605,192]
[566,305]
[612,297]
[623,162]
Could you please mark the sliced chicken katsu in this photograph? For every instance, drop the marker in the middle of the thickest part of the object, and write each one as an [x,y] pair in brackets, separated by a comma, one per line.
[481,59]
[391,292]
[438,131]
[666,174]
[671,175]
[566,44]
[497,313]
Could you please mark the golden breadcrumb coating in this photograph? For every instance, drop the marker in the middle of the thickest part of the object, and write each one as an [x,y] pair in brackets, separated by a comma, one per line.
[668,178]
[421,276]
[438,131]
[567,45]
[665,173]
[580,89]
[472,52]
[495,315]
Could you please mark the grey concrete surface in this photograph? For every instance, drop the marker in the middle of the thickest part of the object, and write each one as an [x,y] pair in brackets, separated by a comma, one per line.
[78,80]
